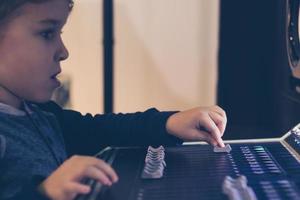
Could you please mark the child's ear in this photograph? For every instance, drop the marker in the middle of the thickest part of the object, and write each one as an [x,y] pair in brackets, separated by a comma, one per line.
[2,146]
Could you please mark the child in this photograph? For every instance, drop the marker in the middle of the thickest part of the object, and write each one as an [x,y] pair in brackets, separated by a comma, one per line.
[43,141]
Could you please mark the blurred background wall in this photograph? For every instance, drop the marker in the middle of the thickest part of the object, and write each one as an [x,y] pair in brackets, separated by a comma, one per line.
[83,38]
[165,54]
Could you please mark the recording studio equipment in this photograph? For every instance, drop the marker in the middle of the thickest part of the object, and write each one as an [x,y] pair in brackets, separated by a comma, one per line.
[253,169]
[293,45]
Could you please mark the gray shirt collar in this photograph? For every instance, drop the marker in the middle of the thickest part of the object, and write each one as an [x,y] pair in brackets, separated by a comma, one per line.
[8,109]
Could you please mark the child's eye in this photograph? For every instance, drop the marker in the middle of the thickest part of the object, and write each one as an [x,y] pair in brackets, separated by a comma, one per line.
[48,34]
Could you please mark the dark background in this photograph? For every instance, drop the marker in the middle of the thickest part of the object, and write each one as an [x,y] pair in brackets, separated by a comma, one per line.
[254,72]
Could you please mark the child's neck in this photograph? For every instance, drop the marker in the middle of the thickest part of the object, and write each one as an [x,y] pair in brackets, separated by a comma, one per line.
[8,98]
[14,103]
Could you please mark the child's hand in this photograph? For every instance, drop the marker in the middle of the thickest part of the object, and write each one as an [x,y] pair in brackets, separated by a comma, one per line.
[206,123]
[64,183]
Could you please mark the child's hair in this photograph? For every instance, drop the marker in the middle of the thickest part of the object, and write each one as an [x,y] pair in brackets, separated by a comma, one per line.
[7,7]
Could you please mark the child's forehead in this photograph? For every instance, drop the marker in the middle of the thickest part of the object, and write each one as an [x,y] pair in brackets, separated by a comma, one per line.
[57,10]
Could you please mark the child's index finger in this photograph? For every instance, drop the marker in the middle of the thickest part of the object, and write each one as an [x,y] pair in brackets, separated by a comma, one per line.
[221,143]
[218,139]
[210,127]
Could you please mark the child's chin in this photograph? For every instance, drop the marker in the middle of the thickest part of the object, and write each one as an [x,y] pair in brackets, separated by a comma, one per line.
[42,99]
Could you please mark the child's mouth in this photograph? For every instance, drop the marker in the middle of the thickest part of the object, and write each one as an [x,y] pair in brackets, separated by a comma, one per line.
[55,76]
[55,80]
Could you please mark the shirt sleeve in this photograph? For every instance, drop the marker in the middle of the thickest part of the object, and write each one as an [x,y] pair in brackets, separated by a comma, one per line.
[86,134]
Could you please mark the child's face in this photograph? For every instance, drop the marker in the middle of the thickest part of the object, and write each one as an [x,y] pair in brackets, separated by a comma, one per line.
[31,50]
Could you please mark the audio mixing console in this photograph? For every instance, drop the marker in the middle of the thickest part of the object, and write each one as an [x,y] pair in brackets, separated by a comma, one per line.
[250,169]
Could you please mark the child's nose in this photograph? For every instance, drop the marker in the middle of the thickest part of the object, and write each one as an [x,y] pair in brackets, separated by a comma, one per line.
[65,53]
[62,52]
